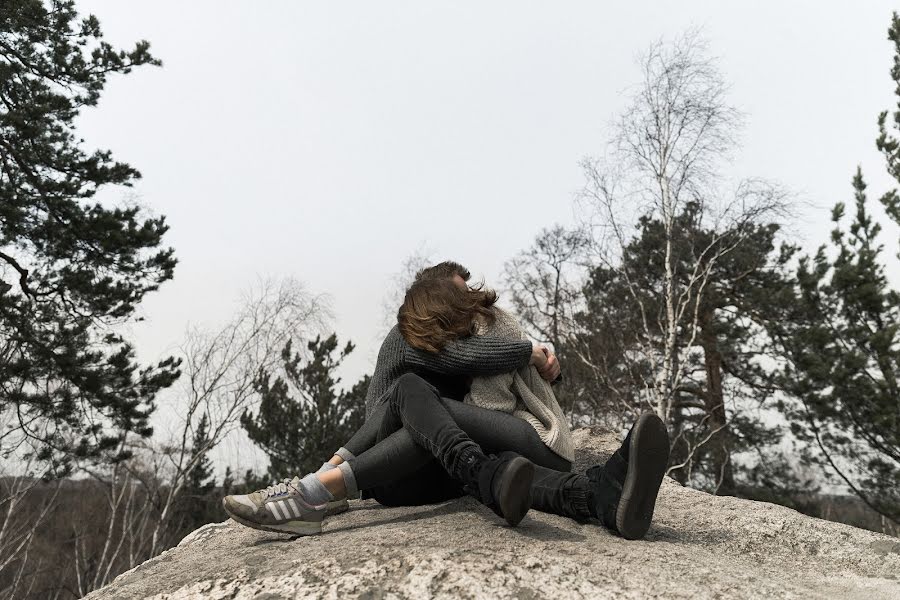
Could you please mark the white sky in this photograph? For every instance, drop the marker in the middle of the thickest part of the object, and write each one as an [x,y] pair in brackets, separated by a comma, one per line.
[328,141]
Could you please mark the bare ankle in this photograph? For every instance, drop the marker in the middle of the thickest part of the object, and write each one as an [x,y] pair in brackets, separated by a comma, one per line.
[333,481]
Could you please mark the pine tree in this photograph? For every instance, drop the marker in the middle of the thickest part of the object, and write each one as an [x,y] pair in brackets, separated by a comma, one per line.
[196,505]
[843,342]
[842,346]
[303,418]
[70,267]
[747,288]
[201,480]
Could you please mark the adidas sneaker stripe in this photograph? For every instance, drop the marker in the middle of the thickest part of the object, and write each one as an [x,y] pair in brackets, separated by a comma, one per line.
[284,509]
[273,508]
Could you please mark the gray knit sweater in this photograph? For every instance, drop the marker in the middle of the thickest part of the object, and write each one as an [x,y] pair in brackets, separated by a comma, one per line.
[522,393]
[474,355]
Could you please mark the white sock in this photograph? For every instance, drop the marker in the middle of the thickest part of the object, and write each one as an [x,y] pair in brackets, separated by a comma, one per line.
[327,466]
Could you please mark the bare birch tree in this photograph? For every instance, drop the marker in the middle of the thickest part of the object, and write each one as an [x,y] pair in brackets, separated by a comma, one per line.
[25,504]
[123,542]
[544,283]
[544,286]
[666,155]
[220,367]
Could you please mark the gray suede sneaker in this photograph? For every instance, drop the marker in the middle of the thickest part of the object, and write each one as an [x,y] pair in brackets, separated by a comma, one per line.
[280,508]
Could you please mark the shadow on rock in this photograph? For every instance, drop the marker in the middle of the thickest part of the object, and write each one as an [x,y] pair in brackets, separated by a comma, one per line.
[539,530]
[448,508]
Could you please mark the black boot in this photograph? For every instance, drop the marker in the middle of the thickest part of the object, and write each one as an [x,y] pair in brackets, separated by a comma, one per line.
[502,483]
[625,488]
[617,465]
[608,480]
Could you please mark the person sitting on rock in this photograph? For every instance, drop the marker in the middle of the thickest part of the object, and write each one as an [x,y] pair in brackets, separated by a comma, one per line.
[506,443]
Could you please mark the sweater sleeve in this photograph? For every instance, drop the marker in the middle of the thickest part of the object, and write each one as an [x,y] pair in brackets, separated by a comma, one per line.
[474,355]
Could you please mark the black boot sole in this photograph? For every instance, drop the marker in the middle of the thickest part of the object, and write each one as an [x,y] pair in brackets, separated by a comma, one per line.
[514,493]
[648,457]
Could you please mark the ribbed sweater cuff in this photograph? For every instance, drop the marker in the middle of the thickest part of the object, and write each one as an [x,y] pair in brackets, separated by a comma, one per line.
[525,358]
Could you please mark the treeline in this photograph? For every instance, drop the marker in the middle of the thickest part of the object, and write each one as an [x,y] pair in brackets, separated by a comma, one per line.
[87,488]
[64,536]
[775,370]
[678,292]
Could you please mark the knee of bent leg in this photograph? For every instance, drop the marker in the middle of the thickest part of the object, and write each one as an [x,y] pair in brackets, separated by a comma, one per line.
[410,385]
[413,382]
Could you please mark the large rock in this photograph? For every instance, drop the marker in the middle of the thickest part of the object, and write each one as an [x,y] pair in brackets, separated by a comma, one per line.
[700,546]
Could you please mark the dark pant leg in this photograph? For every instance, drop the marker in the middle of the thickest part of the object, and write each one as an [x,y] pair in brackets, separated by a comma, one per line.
[555,489]
[429,485]
[418,406]
[494,431]
[390,467]
[445,426]
[397,471]
[368,435]
[497,432]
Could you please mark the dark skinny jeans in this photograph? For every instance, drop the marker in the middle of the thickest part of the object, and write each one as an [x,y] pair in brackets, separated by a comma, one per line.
[404,452]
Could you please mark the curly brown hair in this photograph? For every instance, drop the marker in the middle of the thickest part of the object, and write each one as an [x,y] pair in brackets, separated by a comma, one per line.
[444,270]
[436,311]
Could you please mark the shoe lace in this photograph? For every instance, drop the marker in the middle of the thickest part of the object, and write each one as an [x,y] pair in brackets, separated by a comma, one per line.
[277,489]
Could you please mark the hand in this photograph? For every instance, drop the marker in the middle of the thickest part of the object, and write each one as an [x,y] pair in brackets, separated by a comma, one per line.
[539,356]
[551,370]
[545,361]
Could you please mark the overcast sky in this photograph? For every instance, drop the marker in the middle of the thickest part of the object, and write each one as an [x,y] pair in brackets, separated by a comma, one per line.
[328,141]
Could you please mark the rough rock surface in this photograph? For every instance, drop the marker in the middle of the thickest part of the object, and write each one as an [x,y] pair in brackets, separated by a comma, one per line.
[700,546]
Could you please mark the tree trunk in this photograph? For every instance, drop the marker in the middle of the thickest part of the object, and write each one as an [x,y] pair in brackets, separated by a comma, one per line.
[718,448]
[680,450]
[664,400]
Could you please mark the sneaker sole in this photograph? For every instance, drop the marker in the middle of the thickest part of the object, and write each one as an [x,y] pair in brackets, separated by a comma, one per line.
[292,527]
[648,457]
[515,490]
[336,507]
